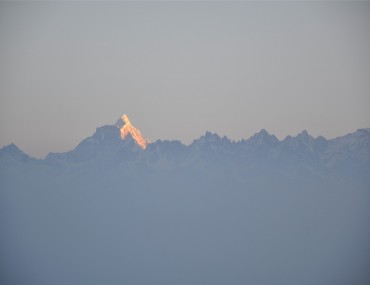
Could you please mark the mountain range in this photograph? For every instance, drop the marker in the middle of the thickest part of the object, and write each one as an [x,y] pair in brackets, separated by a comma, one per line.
[123,145]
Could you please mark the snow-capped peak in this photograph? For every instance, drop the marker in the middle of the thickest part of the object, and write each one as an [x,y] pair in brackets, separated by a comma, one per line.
[126,128]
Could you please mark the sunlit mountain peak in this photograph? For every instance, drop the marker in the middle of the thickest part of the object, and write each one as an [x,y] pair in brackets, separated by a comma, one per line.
[126,128]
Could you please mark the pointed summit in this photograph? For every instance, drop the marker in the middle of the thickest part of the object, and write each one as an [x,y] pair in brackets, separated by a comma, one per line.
[126,128]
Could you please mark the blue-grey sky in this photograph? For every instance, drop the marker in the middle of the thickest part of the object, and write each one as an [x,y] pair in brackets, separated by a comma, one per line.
[179,69]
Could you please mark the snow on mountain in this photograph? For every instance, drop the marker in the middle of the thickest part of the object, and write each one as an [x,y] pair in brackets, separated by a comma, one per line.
[126,128]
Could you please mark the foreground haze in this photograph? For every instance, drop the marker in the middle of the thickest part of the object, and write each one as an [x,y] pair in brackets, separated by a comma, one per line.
[255,211]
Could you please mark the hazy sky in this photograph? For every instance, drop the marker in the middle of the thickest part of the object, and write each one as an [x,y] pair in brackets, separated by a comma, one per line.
[180,69]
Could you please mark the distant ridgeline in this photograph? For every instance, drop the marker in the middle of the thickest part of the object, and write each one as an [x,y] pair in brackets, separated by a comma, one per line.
[122,149]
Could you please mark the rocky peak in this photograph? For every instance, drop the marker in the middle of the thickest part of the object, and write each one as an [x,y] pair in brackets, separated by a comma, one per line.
[126,128]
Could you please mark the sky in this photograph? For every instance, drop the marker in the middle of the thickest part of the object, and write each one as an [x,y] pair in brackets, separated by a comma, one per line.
[179,69]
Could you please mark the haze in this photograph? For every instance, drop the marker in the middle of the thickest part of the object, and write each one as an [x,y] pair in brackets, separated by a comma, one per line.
[179,69]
